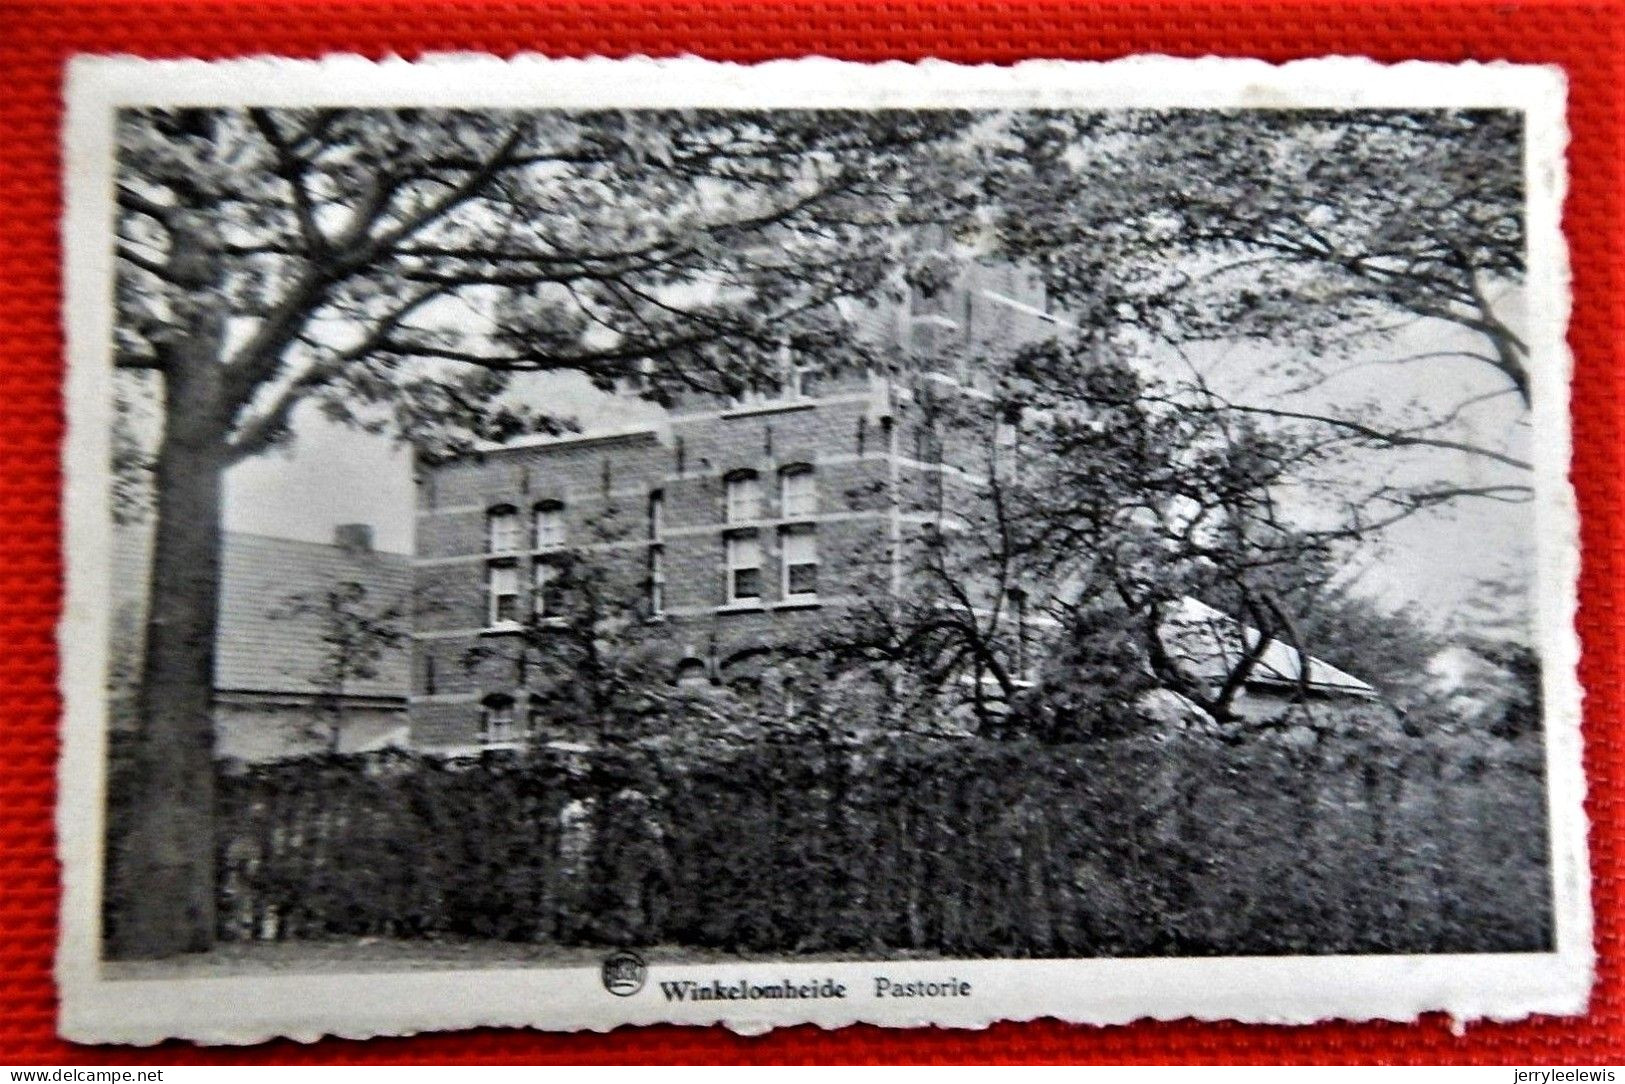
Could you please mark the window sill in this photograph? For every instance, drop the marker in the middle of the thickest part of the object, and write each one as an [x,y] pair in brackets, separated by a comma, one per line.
[502,628]
[563,745]
[781,406]
[808,602]
[768,523]
[741,607]
[1020,685]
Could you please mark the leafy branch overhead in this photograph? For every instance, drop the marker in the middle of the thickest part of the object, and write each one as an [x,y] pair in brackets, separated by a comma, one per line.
[1347,246]
[1316,228]
[400,267]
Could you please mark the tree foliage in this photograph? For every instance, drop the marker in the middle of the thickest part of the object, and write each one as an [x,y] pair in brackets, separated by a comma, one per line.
[356,632]
[1318,229]
[397,267]
[401,270]
[1333,238]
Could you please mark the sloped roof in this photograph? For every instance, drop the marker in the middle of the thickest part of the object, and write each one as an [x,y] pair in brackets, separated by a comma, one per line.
[1211,642]
[270,635]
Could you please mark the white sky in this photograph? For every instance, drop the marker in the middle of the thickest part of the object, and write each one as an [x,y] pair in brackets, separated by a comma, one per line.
[1434,559]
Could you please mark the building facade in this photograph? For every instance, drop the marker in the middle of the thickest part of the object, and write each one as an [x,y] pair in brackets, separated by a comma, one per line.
[744,524]
[735,529]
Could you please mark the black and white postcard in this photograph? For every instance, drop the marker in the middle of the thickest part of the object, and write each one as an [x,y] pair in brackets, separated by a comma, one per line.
[580,543]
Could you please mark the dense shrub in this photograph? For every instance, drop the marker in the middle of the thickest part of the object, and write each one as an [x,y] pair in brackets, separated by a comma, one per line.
[1180,845]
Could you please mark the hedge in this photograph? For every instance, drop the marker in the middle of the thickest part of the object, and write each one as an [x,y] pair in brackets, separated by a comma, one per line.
[1185,845]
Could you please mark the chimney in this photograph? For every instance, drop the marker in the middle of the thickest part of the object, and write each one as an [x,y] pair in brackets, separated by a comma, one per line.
[353,538]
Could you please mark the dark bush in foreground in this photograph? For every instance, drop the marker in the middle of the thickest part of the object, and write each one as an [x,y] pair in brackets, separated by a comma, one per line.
[962,847]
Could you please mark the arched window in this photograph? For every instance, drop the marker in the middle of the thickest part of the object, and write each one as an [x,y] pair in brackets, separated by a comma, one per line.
[744,496]
[691,672]
[798,491]
[502,529]
[497,723]
[548,525]
[744,671]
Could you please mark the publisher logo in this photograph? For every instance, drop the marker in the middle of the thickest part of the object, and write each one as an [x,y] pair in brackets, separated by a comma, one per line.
[624,972]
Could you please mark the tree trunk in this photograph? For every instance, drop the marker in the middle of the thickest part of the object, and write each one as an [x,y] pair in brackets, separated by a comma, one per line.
[162,870]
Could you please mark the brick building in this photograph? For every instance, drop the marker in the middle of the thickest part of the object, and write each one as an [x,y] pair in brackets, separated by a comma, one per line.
[739,525]
[749,522]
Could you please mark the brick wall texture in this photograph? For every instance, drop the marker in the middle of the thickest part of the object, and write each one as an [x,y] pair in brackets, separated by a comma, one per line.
[876,450]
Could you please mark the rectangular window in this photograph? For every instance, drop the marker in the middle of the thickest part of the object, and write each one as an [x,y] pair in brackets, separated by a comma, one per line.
[504,589]
[803,382]
[799,549]
[657,513]
[798,492]
[499,720]
[657,581]
[546,596]
[549,526]
[503,532]
[744,498]
[744,568]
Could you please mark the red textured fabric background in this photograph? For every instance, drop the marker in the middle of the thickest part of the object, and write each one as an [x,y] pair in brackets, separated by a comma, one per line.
[37,38]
